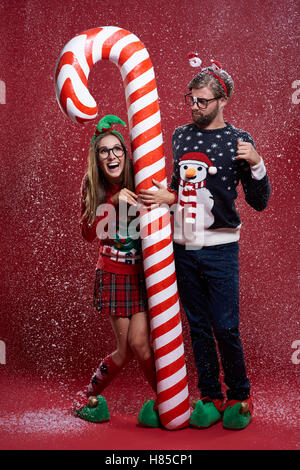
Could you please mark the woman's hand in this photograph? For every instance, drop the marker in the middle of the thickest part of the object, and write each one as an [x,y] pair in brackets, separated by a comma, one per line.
[161,196]
[125,195]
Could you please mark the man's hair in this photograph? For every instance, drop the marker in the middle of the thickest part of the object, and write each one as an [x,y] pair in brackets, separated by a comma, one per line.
[206,78]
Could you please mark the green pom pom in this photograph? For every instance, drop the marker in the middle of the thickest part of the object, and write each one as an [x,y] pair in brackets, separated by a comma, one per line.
[148,416]
[95,414]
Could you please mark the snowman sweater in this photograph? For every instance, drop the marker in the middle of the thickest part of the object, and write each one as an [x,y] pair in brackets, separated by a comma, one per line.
[217,148]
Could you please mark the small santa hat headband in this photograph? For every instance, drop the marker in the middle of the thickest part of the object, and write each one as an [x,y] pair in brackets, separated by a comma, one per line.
[195,61]
[198,158]
[104,125]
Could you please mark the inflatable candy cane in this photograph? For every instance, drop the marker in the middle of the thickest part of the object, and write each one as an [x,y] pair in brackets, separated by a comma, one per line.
[126,51]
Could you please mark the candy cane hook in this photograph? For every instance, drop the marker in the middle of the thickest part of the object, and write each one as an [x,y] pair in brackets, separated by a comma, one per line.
[73,67]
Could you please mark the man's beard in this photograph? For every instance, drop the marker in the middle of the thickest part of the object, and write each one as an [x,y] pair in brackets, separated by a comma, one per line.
[203,121]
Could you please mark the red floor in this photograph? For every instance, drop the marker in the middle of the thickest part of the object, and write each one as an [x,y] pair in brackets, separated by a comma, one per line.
[35,415]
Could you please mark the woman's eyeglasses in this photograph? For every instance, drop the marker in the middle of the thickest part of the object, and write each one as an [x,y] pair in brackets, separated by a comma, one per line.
[104,152]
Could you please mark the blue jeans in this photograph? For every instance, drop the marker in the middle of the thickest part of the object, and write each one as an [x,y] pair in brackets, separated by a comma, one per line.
[208,285]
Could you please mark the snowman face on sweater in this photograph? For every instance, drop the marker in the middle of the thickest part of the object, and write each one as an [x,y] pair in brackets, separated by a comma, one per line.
[193,171]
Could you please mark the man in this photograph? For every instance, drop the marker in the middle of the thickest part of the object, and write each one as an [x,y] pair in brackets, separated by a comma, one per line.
[210,158]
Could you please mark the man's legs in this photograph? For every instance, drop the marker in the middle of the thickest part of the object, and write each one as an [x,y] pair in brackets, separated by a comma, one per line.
[208,282]
[192,286]
[221,267]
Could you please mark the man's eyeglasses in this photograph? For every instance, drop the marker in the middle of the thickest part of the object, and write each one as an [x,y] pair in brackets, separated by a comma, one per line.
[202,103]
[117,150]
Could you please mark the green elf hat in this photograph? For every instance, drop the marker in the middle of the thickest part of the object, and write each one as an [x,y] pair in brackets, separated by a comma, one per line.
[104,125]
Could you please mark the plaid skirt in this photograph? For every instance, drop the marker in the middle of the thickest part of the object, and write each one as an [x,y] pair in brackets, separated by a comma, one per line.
[120,295]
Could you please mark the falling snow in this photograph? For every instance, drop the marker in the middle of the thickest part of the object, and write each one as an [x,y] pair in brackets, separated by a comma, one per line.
[47,318]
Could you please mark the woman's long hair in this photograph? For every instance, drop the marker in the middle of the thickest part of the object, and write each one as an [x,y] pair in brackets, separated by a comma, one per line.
[94,184]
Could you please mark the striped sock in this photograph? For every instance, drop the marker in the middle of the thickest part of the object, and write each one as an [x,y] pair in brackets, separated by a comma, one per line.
[105,373]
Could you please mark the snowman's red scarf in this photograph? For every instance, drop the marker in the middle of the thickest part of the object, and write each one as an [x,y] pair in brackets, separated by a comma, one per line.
[189,196]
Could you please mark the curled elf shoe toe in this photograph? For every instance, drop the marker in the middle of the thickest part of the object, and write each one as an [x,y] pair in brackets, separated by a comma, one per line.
[237,414]
[207,412]
[95,411]
[149,416]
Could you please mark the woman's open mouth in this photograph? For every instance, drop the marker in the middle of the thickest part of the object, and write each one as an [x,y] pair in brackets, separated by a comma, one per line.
[113,166]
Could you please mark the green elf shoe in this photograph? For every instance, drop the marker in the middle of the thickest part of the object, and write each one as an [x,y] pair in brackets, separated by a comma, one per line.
[149,416]
[237,415]
[95,411]
[206,413]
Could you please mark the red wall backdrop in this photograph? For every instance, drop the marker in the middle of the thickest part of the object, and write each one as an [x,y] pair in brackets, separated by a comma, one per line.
[47,322]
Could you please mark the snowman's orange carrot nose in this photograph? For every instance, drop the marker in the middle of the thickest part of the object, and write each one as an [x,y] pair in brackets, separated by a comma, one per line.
[190,172]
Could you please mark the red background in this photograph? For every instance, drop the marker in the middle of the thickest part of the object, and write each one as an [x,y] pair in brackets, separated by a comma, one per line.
[52,335]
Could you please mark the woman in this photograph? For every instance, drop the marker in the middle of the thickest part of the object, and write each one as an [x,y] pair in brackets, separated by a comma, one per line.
[119,283]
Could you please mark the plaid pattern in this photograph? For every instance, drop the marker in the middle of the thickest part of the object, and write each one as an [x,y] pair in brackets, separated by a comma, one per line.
[120,295]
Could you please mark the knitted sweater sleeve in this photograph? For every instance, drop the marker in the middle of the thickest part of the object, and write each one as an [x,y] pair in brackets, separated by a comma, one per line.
[173,186]
[255,183]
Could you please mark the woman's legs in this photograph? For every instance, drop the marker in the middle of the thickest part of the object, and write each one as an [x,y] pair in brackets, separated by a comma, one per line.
[123,352]
[111,365]
[139,343]
[132,336]
[114,362]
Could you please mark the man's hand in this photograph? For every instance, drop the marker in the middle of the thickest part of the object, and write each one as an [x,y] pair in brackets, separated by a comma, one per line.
[247,152]
[161,196]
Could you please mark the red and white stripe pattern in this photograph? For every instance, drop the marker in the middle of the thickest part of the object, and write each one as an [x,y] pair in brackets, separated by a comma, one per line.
[126,51]
[188,198]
